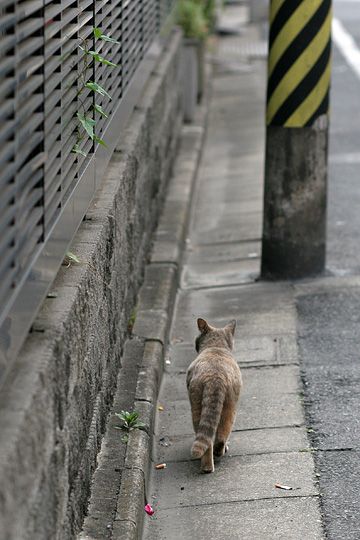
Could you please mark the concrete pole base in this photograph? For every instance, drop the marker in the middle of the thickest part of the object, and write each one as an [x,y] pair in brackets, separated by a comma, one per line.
[294,234]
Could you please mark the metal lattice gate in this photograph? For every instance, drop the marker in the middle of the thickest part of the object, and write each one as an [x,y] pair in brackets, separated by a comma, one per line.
[45,187]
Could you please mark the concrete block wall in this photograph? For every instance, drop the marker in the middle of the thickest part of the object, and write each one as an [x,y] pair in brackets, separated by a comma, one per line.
[56,398]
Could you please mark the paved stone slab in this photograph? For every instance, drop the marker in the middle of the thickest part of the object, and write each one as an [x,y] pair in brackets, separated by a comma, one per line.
[239,179]
[240,210]
[240,478]
[257,441]
[231,192]
[250,351]
[260,309]
[233,179]
[284,411]
[270,398]
[250,161]
[227,232]
[265,381]
[217,214]
[230,85]
[224,252]
[260,409]
[279,519]
[223,173]
[223,273]
[247,103]
[236,139]
[266,350]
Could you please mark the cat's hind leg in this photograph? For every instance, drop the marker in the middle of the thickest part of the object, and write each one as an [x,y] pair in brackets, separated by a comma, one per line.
[195,404]
[220,448]
[224,429]
[207,461]
[195,412]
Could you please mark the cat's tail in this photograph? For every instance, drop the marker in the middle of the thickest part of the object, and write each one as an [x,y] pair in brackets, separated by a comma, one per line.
[212,404]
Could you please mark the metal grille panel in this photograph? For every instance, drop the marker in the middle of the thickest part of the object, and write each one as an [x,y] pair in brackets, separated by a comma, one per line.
[22,139]
[40,81]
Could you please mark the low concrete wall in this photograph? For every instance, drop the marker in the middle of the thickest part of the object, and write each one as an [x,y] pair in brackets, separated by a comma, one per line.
[55,401]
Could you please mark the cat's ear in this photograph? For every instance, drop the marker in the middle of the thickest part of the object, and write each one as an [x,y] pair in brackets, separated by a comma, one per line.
[231,326]
[202,326]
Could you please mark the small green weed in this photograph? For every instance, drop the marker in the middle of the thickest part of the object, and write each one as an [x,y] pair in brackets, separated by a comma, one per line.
[70,258]
[87,120]
[132,320]
[130,421]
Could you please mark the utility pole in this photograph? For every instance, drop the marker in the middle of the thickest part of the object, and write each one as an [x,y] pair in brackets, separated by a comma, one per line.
[294,232]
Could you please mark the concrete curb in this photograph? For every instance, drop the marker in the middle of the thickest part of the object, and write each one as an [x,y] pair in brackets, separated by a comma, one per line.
[119,513]
[153,319]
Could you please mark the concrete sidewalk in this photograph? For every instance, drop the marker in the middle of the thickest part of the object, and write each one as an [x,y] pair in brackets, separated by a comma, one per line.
[269,444]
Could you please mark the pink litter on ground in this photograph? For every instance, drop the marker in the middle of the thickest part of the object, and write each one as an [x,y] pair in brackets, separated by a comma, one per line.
[149,509]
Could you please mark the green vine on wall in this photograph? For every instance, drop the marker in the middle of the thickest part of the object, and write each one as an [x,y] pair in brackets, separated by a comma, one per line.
[87,124]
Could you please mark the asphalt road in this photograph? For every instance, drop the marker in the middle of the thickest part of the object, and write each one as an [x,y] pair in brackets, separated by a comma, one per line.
[329,315]
[343,254]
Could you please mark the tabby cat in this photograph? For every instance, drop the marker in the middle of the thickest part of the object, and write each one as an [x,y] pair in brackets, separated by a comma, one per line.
[213,381]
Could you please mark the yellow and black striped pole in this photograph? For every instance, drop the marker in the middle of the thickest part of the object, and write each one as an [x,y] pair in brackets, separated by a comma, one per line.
[299,68]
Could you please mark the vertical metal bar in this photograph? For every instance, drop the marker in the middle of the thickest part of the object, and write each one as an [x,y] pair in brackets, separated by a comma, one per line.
[15,262]
[43,126]
[94,66]
[141,23]
[121,50]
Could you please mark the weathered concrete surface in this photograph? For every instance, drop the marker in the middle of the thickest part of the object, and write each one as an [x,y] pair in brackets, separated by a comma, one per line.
[251,351]
[271,397]
[220,273]
[243,442]
[291,518]
[271,312]
[174,387]
[294,235]
[255,478]
[56,398]
[269,442]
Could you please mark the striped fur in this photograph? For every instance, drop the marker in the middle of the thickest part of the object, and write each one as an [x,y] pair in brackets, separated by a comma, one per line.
[212,404]
[213,381]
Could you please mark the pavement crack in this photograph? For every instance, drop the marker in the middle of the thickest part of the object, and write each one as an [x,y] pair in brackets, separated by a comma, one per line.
[345,449]
[248,454]
[213,287]
[269,427]
[262,366]
[237,501]
[228,242]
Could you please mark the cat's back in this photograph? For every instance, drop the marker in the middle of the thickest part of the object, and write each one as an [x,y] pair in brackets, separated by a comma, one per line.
[214,363]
